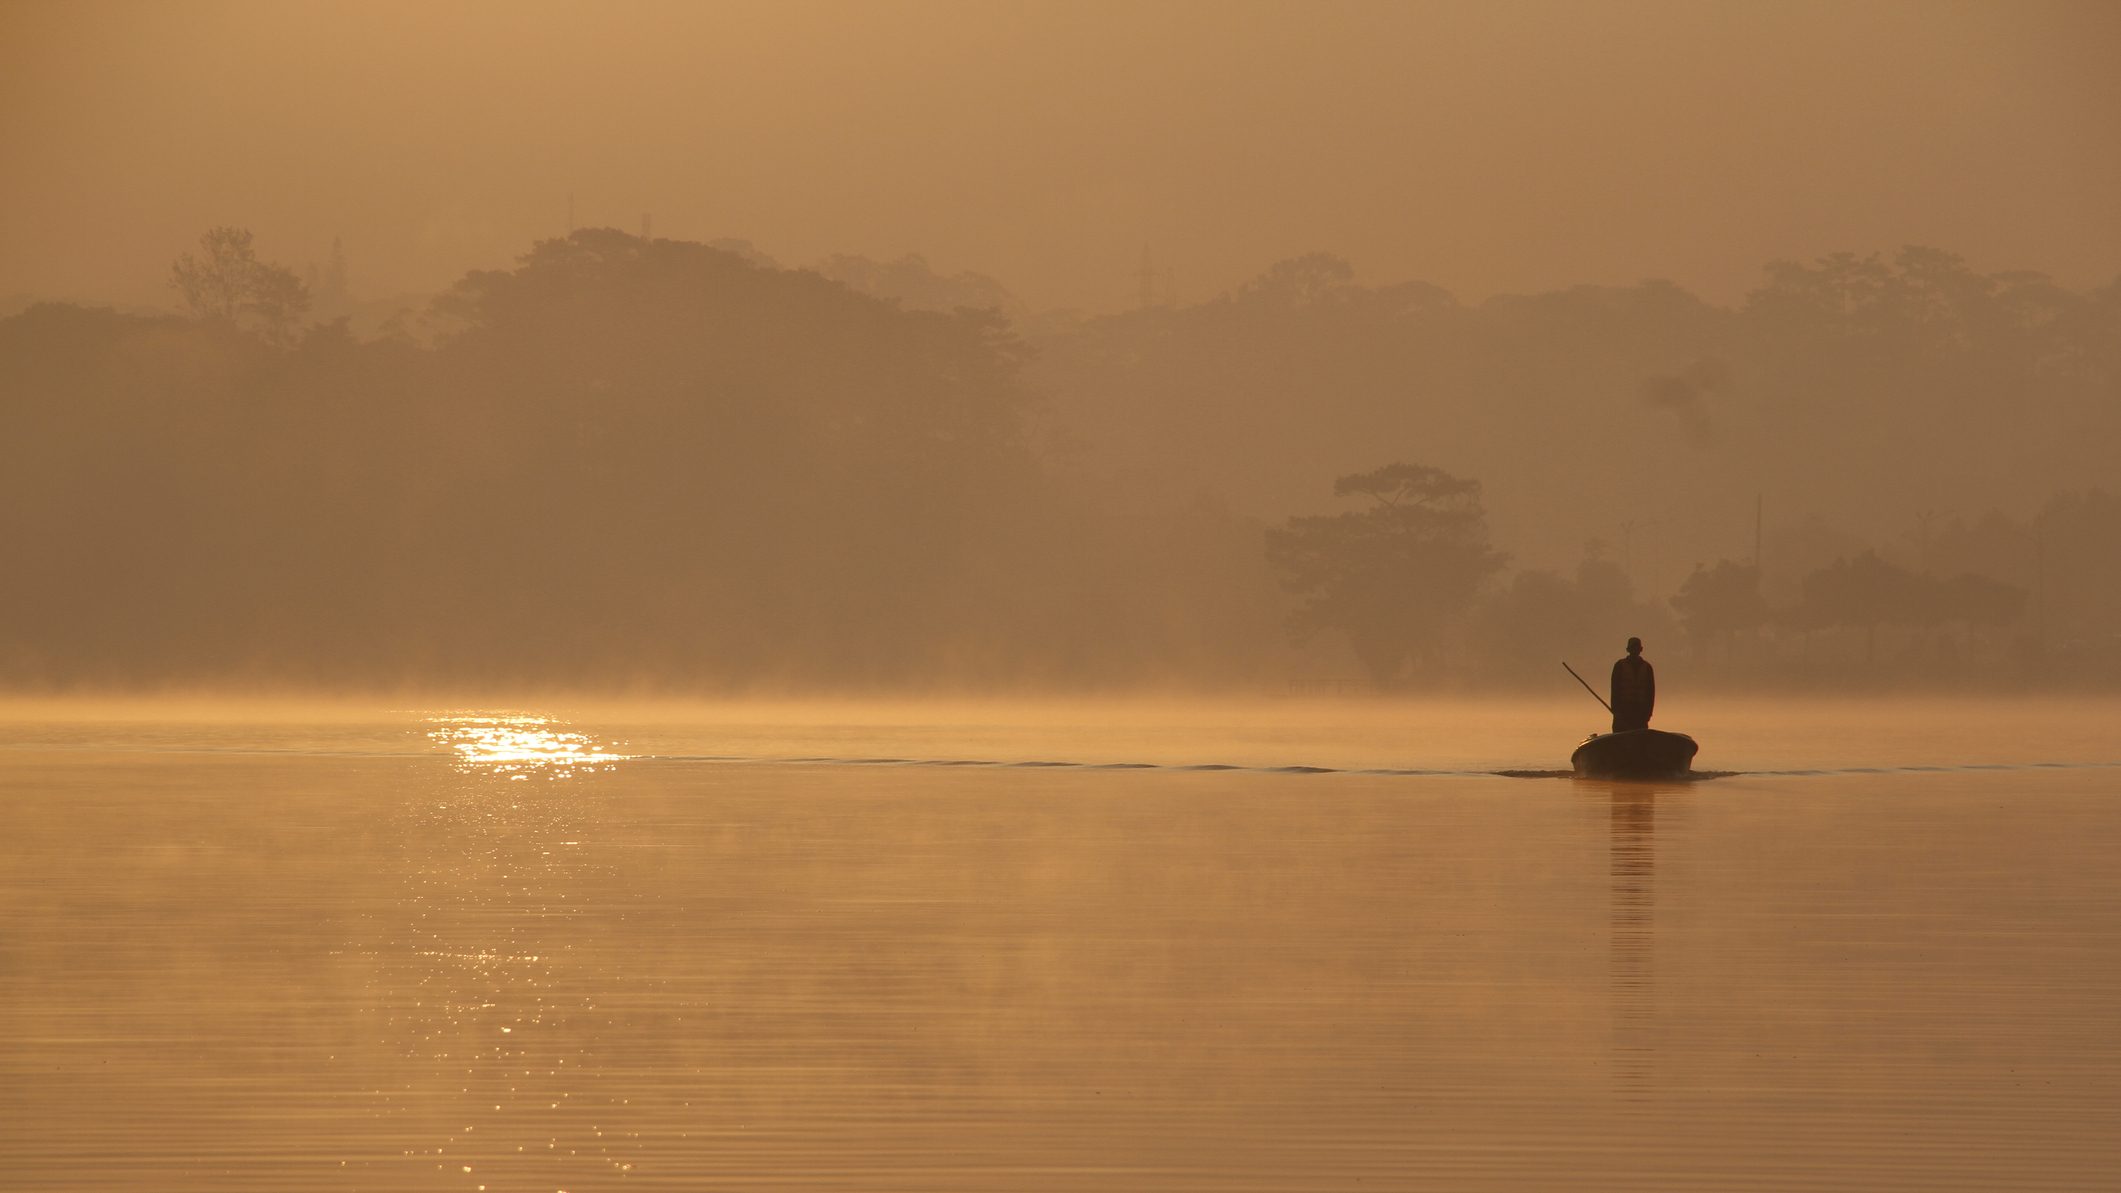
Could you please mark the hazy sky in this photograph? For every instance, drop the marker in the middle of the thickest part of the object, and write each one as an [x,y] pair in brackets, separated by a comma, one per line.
[1483,146]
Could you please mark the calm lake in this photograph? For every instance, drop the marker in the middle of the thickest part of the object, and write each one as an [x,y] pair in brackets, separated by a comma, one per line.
[1267,946]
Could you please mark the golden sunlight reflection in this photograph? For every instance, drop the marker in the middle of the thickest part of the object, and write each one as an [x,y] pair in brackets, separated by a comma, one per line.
[492,1017]
[518,745]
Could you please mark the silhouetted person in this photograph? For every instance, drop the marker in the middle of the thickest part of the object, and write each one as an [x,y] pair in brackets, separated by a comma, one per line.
[1634,690]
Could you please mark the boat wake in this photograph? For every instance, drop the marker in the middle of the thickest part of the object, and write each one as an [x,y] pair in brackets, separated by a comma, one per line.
[1697,776]
[525,744]
[1059,764]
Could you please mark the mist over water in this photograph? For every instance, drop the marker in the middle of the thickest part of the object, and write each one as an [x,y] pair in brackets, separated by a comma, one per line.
[1476,735]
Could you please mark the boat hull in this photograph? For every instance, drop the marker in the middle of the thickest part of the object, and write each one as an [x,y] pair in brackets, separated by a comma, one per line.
[1634,754]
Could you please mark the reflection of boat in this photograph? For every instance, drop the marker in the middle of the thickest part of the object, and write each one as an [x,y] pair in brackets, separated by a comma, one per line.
[1634,754]
[1633,954]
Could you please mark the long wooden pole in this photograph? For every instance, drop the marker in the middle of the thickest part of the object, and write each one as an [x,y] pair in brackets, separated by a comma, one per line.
[1586,687]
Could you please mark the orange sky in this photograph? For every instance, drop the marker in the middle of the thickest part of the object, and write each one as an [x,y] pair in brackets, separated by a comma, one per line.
[1483,146]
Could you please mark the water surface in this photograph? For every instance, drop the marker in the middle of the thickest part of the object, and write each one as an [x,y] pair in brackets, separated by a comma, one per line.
[869,948]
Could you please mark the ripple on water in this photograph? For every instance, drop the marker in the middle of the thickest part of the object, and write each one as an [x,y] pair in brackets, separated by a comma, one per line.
[313,972]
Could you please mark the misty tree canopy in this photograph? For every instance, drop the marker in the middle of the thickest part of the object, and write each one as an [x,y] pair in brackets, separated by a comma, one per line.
[227,281]
[621,455]
[1717,600]
[630,459]
[1392,576]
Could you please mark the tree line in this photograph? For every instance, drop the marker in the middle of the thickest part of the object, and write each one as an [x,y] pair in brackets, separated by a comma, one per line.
[627,461]
[1410,583]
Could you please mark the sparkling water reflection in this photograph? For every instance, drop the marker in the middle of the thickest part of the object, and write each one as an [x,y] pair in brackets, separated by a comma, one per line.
[518,745]
[499,1045]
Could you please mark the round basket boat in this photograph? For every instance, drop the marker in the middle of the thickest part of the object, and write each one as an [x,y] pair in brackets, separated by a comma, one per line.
[1634,754]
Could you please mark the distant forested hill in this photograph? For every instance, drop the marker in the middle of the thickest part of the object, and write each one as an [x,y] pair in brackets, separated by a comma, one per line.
[1864,390]
[651,462]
